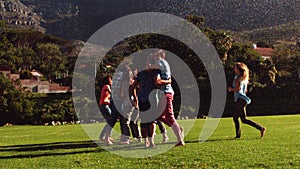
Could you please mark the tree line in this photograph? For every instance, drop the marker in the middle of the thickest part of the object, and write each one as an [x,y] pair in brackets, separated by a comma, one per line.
[26,50]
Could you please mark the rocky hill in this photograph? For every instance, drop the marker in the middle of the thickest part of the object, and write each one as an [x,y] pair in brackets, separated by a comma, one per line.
[79,19]
[18,15]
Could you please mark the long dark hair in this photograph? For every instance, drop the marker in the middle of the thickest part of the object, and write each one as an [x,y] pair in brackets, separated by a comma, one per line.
[105,80]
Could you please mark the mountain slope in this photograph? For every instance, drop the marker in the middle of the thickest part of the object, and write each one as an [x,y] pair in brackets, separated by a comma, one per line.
[18,15]
[286,32]
[79,19]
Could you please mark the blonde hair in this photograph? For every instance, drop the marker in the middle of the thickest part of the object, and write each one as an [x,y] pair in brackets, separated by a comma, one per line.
[244,71]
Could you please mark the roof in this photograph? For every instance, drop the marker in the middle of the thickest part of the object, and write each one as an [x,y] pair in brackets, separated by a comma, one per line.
[55,88]
[36,73]
[264,51]
[28,82]
[14,76]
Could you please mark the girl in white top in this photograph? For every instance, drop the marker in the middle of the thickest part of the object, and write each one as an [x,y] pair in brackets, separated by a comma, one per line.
[239,87]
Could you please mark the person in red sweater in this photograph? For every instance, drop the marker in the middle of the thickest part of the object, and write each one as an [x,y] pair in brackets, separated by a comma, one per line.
[109,115]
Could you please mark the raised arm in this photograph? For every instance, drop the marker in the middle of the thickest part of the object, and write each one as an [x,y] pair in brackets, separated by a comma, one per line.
[159,81]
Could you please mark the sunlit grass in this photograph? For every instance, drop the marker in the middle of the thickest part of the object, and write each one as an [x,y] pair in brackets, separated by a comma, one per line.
[70,147]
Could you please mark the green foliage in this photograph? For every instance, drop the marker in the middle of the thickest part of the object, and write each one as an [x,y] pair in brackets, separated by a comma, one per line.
[198,21]
[222,42]
[53,107]
[261,71]
[8,57]
[30,38]
[50,59]
[28,57]
[5,85]
[2,24]
[264,44]
[287,61]
[15,107]
[18,107]
[242,53]
[25,74]
[27,50]
[284,32]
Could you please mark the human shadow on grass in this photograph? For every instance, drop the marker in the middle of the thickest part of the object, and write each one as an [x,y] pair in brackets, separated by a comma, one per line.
[77,147]
[217,140]
[49,146]
[47,154]
[36,149]
[132,146]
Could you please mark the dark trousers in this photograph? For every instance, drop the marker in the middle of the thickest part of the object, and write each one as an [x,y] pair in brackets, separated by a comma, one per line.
[161,126]
[125,120]
[134,124]
[110,115]
[147,129]
[240,112]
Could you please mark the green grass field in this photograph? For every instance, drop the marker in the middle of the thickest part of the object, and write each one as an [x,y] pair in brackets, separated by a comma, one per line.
[69,147]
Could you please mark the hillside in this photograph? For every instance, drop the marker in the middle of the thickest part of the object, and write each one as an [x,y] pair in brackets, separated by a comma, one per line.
[286,32]
[79,19]
[18,15]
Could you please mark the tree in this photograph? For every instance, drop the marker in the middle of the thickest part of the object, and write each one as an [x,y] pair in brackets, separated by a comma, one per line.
[4,86]
[14,106]
[28,55]
[222,42]
[264,44]
[50,59]
[198,21]
[262,71]
[25,74]
[3,26]
[287,62]
[8,57]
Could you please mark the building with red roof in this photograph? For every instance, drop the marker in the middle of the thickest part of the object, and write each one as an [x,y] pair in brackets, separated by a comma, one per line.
[35,85]
[266,53]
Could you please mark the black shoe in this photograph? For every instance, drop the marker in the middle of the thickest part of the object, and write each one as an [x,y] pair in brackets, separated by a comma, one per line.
[238,134]
[262,132]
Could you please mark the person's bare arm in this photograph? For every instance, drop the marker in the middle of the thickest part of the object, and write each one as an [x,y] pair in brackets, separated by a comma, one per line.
[237,88]
[107,91]
[133,89]
[160,81]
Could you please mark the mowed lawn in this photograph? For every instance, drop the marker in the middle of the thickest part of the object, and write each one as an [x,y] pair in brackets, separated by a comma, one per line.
[68,146]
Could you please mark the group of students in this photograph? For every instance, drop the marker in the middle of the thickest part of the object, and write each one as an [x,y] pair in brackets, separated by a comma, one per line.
[129,97]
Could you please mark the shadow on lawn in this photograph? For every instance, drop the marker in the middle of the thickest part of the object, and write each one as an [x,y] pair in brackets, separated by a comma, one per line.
[218,140]
[35,149]
[68,148]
